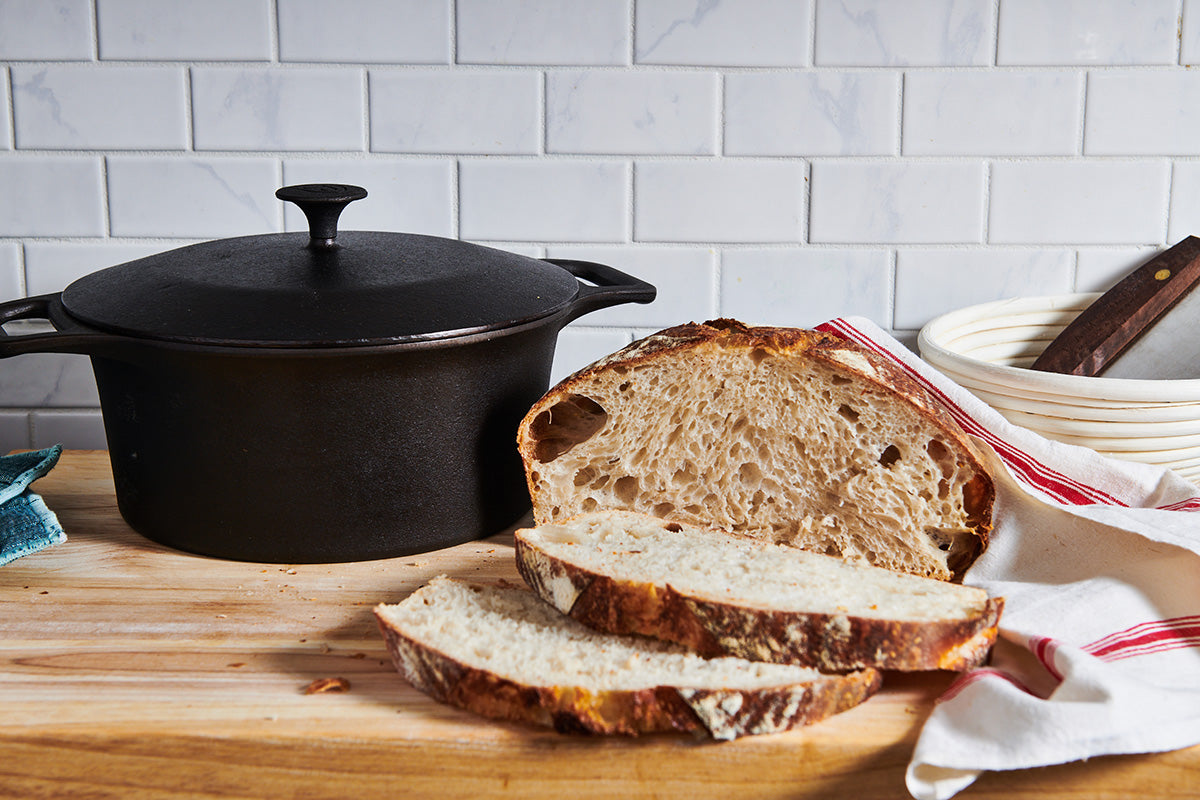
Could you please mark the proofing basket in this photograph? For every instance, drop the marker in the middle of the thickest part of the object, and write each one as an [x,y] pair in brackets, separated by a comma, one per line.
[988,349]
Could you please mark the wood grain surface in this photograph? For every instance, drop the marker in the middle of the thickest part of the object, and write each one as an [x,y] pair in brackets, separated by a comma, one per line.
[128,670]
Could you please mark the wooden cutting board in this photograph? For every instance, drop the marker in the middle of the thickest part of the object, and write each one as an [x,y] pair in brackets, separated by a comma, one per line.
[131,671]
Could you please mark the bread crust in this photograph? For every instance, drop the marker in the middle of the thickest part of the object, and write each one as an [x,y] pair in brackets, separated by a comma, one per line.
[828,642]
[840,355]
[721,714]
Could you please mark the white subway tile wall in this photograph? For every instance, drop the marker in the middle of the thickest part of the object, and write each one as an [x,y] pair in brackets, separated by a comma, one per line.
[446,111]
[75,107]
[779,161]
[364,31]
[6,129]
[10,270]
[179,30]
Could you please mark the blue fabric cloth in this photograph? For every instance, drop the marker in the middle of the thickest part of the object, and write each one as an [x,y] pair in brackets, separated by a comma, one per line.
[26,524]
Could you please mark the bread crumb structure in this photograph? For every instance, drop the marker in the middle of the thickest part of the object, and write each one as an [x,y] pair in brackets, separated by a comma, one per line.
[786,435]
[720,594]
[502,652]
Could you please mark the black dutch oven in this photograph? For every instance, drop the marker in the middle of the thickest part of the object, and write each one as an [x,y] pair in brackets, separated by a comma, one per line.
[319,397]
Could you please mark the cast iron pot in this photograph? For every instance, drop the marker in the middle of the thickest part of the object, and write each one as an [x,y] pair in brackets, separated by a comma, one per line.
[314,397]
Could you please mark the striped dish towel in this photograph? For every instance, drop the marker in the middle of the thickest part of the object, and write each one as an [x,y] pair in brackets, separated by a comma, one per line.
[1099,564]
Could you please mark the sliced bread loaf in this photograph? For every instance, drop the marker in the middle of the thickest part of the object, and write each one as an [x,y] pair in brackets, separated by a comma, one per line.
[786,435]
[503,653]
[718,594]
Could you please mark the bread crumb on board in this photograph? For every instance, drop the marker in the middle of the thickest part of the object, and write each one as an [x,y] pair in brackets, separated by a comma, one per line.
[322,685]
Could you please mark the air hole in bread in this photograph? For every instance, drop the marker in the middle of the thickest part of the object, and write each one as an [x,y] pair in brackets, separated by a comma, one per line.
[888,457]
[848,413]
[663,509]
[585,476]
[758,355]
[590,504]
[750,474]
[626,489]
[572,420]
[941,456]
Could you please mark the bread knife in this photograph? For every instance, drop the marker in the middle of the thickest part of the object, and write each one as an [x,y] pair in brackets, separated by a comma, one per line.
[1147,326]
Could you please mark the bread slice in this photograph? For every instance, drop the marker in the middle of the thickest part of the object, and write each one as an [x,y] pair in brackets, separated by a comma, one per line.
[501,652]
[718,594]
[786,435]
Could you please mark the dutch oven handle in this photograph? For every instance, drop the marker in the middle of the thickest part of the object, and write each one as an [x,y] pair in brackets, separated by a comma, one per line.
[61,340]
[611,287]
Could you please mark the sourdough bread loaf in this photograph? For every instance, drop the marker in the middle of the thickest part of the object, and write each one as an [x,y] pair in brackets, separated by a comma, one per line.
[786,435]
[718,594]
[502,652]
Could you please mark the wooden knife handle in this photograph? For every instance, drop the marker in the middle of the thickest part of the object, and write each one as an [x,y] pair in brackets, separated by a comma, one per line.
[1105,328]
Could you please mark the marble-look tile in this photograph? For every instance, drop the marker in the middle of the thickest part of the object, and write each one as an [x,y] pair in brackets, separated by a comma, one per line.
[1142,113]
[5,128]
[1099,269]
[51,266]
[14,431]
[1074,202]
[932,282]
[992,113]
[593,111]
[184,30]
[76,430]
[579,346]
[10,271]
[739,33]
[193,197]
[719,201]
[402,195]
[1189,34]
[278,109]
[365,31]
[684,277]
[445,111]
[887,33]
[51,196]
[916,202]
[564,32]
[47,380]
[45,30]
[557,201]
[805,287]
[1184,218]
[825,113]
[1105,32]
[72,108]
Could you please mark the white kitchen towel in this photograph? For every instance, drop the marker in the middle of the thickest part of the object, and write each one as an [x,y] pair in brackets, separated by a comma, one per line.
[1099,564]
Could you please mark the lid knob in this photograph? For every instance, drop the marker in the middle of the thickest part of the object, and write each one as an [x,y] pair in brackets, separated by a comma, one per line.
[322,204]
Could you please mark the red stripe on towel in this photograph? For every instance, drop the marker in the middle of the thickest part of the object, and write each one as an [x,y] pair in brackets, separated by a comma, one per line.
[1044,648]
[1148,637]
[974,676]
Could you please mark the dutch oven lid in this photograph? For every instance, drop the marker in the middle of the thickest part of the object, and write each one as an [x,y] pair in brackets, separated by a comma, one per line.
[320,289]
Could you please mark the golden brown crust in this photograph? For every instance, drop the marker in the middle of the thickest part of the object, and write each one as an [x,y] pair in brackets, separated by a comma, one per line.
[828,642]
[722,714]
[836,353]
